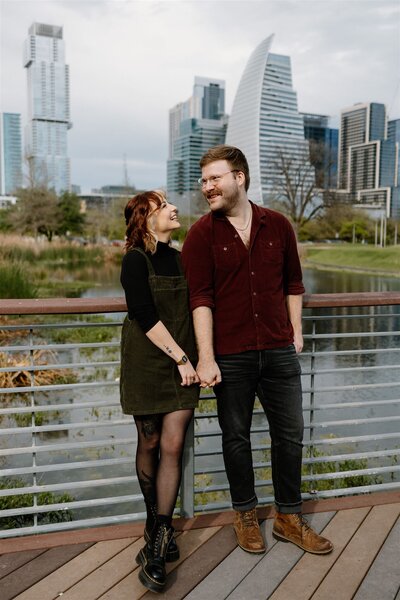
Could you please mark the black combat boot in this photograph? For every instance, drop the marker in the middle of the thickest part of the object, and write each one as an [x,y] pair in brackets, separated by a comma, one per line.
[152,558]
[173,550]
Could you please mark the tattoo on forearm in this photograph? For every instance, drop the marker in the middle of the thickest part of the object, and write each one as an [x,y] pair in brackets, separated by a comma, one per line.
[168,349]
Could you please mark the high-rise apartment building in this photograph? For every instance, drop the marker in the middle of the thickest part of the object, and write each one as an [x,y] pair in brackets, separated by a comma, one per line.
[265,122]
[194,126]
[48,106]
[10,153]
[323,142]
[368,158]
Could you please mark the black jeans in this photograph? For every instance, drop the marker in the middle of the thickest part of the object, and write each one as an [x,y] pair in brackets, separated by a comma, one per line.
[276,376]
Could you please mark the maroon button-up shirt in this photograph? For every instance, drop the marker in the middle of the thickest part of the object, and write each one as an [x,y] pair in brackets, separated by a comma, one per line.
[246,289]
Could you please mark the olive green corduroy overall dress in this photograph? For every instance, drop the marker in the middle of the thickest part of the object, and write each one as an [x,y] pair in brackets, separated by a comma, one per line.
[150,382]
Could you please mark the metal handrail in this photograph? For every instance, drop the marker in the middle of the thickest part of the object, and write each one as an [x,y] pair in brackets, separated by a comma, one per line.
[196,494]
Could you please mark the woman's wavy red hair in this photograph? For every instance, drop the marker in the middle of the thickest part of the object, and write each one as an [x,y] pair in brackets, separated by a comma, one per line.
[137,212]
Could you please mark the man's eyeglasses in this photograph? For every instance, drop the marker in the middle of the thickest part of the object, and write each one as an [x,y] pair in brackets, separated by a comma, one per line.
[214,178]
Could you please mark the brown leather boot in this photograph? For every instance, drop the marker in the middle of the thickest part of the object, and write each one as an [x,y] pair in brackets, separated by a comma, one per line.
[248,532]
[294,528]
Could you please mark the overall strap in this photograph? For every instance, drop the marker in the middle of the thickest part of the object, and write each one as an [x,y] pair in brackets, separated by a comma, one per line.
[179,263]
[149,265]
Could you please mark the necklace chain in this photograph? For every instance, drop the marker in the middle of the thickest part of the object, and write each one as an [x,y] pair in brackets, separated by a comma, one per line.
[244,228]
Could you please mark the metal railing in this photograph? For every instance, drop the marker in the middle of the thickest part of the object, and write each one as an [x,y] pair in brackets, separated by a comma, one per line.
[67,452]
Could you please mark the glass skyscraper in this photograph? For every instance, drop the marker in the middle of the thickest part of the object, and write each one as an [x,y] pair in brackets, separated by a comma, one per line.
[265,121]
[324,154]
[10,153]
[368,158]
[48,107]
[194,126]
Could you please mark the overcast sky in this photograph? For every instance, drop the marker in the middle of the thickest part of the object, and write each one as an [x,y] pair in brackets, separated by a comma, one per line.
[130,61]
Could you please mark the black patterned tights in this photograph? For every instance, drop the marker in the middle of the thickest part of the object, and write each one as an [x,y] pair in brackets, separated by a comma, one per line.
[159,460]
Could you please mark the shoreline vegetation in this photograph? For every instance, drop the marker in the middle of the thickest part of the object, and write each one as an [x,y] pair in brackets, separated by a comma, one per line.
[358,258]
[36,268]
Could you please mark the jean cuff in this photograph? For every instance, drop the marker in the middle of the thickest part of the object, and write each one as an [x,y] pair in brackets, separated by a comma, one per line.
[247,505]
[288,509]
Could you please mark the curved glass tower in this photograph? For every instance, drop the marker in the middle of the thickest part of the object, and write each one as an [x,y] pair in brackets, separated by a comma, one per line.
[265,120]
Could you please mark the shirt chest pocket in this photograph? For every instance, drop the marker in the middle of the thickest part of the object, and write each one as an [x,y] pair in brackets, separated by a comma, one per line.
[271,253]
[226,256]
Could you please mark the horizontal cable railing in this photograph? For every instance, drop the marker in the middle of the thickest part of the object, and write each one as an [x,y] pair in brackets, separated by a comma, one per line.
[67,451]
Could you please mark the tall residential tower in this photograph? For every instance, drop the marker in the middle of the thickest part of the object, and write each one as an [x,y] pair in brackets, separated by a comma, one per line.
[48,107]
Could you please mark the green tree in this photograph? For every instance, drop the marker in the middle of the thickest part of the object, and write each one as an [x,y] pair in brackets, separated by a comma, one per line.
[36,212]
[72,219]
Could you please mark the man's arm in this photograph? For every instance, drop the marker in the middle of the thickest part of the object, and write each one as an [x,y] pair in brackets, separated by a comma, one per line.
[294,306]
[207,369]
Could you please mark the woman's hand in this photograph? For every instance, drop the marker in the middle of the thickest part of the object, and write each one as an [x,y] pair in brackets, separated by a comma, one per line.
[188,374]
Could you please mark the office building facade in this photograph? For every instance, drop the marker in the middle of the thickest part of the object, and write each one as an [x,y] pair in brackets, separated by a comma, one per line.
[265,122]
[368,159]
[10,153]
[48,107]
[323,142]
[194,126]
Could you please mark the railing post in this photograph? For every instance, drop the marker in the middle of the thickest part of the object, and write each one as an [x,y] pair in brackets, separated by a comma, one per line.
[33,423]
[187,483]
[312,398]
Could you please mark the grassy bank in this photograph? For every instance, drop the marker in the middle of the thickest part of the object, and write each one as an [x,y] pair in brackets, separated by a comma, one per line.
[31,268]
[352,257]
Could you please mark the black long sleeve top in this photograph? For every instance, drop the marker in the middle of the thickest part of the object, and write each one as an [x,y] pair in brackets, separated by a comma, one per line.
[135,281]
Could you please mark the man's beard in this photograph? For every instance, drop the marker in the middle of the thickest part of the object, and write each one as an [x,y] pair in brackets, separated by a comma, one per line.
[230,200]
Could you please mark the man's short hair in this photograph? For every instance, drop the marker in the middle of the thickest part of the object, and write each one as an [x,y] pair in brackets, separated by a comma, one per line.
[232,155]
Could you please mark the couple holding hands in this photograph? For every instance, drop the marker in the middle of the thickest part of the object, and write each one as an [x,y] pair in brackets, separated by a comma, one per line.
[224,313]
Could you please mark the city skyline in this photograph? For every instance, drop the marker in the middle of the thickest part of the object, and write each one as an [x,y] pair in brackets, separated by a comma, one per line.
[132,61]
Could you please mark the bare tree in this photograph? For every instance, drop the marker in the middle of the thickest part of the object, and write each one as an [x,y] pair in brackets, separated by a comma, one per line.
[295,192]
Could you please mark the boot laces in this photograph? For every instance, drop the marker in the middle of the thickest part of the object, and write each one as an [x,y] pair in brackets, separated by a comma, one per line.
[248,518]
[303,523]
[161,538]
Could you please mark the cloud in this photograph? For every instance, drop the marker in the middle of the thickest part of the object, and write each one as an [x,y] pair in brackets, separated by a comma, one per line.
[130,61]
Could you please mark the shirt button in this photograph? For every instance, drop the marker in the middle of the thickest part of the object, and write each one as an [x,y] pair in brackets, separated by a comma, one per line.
[254,293]
[256,315]
[236,235]
[225,248]
[252,273]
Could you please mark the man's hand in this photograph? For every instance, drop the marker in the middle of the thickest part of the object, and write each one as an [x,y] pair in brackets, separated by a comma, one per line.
[298,341]
[209,373]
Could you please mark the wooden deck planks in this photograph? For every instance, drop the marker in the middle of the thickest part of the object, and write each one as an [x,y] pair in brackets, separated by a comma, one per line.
[276,564]
[231,571]
[352,565]
[130,587]
[383,578]
[202,561]
[106,576]
[73,571]
[30,573]
[307,574]
[11,562]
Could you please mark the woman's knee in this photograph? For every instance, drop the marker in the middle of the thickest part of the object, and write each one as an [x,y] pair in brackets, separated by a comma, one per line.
[172,446]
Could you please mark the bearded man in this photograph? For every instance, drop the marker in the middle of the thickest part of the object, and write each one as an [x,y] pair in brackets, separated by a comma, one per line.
[245,284]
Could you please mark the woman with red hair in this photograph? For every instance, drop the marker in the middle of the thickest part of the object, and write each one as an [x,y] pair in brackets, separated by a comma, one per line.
[158,382]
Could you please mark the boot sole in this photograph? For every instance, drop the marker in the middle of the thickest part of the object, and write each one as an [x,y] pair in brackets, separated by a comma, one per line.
[150,584]
[144,579]
[281,538]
